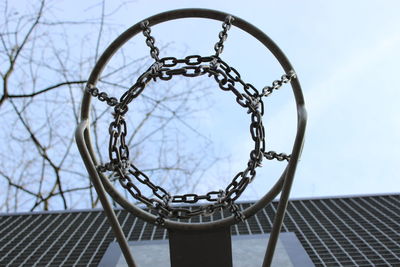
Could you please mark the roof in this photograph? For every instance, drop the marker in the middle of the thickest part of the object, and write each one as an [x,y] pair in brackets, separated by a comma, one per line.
[351,231]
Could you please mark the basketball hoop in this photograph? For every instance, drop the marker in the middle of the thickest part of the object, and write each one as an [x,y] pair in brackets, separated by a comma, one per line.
[160,209]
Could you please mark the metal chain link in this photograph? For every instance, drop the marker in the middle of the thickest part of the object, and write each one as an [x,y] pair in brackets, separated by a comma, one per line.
[285,78]
[235,210]
[150,41]
[219,46]
[102,96]
[270,155]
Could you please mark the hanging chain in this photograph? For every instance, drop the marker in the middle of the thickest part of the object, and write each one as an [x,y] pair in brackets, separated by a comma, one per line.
[285,78]
[102,96]
[270,155]
[219,46]
[228,79]
[154,51]
[235,210]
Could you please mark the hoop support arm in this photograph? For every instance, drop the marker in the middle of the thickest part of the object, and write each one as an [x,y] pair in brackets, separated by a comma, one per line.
[81,134]
[283,201]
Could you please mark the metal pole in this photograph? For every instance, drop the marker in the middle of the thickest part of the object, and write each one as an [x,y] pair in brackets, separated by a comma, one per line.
[280,213]
[108,210]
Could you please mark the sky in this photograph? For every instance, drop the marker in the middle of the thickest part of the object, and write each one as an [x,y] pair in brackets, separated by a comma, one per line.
[345,54]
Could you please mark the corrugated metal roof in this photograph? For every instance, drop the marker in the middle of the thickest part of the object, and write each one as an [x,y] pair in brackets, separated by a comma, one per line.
[356,231]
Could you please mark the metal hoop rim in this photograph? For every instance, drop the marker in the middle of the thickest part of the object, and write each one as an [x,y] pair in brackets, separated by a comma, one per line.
[83,132]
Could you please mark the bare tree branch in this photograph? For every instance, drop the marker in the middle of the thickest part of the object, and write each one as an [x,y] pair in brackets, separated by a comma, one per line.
[15,52]
[20,187]
[45,90]
[43,70]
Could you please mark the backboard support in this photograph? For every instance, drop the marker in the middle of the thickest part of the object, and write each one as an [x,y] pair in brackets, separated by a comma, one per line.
[193,248]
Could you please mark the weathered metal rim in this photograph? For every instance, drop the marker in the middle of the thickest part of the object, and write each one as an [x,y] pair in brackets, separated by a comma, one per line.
[286,177]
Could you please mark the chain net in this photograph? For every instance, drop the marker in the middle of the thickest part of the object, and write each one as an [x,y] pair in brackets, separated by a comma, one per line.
[228,79]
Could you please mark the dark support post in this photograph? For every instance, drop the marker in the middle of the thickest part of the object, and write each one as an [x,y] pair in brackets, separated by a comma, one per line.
[210,248]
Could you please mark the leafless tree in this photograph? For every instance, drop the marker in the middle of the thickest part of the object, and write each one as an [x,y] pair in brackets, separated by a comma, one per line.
[43,68]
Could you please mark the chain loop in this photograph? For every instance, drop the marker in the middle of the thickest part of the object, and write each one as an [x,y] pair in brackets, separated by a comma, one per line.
[228,79]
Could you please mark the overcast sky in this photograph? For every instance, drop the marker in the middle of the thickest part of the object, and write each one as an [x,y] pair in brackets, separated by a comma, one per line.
[345,54]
